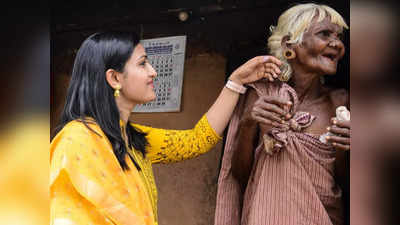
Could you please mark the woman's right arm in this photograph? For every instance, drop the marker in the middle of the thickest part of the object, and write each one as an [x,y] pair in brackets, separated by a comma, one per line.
[246,140]
[265,110]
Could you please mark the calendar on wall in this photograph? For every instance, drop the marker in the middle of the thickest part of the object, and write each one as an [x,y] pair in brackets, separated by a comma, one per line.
[167,56]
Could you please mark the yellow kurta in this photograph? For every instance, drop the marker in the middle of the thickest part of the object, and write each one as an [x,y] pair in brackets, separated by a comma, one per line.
[88,186]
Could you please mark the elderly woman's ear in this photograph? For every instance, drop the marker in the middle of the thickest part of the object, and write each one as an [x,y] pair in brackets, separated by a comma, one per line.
[287,49]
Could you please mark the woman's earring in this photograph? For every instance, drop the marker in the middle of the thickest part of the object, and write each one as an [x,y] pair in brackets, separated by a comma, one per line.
[116,92]
[289,54]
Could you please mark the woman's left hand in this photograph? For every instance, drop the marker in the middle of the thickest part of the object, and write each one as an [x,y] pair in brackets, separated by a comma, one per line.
[257,68]
[341,138]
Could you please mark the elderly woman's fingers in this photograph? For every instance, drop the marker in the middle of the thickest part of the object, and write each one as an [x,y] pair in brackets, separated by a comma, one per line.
[261,119]
[273,108]
[268,115]
[277,101]
[341,123]
[339,131]
[341,146]
[265,121]
[337,139]
[278,105]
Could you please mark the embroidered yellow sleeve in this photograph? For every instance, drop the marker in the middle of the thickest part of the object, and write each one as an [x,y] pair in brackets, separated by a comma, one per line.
[166,146]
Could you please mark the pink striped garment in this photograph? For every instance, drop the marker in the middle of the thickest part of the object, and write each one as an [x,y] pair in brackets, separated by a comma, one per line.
[295,185]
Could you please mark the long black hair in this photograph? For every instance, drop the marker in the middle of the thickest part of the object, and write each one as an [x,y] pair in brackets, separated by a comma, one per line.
[90,95]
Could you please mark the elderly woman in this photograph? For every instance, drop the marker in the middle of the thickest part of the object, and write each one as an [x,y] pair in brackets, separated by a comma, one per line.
[275,168]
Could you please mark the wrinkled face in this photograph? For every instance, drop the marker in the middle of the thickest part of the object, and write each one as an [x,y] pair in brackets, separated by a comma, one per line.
[137,84]
[321,49]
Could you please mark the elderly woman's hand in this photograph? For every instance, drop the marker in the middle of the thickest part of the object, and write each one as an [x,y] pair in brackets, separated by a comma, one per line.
[257,68]
[341,134]
[268,110]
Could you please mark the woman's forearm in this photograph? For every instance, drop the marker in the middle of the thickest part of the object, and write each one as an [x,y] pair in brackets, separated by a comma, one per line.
[254,69]
[221,111]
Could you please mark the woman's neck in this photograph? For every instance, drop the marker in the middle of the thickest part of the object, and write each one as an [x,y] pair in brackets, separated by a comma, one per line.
[307,86]
[125,110]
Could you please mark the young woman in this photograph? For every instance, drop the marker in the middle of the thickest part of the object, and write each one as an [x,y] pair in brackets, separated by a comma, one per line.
[101,163]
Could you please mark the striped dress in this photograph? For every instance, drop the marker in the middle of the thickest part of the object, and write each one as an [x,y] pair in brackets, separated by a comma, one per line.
[294,185]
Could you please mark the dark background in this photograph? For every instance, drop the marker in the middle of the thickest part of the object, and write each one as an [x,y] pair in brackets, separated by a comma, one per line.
[236,28]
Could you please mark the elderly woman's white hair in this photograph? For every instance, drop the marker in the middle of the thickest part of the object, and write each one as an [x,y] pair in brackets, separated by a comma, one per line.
[294,22]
